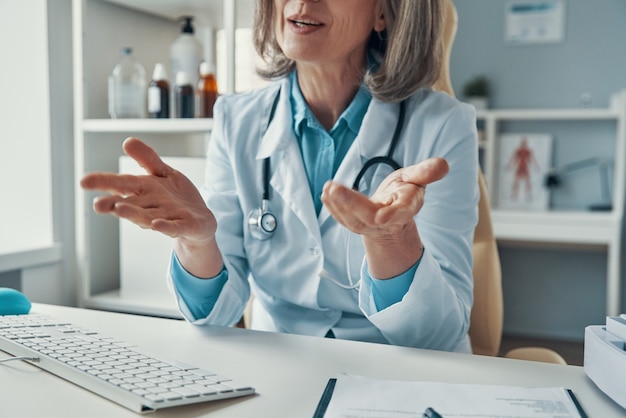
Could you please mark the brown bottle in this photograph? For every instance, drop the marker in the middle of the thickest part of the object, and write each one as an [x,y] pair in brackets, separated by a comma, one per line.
[207,91]
[184,96]
[159,94]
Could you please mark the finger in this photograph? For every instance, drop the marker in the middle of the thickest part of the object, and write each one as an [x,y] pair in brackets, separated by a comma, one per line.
[106,204]
[141,202]
[115,205]
[352,209]
[142,216]
[121,184]
[146,156]
[404,205]
[122,208]
[425,172]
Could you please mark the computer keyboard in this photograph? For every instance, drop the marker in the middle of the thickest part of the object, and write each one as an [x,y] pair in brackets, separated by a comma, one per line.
[111,368]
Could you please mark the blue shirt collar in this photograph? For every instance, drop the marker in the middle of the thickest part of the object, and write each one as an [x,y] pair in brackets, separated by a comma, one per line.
[352,116]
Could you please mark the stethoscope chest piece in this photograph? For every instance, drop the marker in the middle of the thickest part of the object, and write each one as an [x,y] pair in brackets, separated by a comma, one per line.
[262,222]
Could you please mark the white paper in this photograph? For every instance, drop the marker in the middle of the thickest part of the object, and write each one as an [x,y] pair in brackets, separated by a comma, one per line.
[535,22]
[362,397]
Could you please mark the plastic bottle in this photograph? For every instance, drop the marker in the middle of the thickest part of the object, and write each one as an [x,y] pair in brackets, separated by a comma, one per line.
[159,93]
[207,90]
[184,95]
[127,87]
[186,52]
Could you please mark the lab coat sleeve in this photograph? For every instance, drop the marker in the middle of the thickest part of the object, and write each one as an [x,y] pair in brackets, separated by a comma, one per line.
[435,311]
[220,194]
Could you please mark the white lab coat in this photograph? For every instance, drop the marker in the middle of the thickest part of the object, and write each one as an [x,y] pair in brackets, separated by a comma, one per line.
[285,272]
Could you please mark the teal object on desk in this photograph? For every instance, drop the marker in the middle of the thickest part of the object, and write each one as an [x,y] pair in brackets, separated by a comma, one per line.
[13,302]
[431,413]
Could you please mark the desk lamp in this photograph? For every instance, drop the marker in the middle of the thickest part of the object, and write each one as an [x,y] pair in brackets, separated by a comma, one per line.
[553,179]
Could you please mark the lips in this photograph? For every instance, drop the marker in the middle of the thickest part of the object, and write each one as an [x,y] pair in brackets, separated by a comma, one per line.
[302,21]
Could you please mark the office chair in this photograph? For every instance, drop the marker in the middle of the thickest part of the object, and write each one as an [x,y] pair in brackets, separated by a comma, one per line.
[487,312]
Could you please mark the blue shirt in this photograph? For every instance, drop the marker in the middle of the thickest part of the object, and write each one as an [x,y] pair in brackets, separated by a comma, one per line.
[322,152]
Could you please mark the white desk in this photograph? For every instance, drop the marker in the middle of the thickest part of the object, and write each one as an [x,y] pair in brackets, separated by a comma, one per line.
[289,372]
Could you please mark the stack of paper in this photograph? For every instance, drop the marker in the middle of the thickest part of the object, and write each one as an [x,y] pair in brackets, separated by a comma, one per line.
[605,358]
[616,325]
[363,397]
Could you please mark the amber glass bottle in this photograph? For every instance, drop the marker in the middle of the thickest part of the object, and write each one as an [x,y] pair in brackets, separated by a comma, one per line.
[159,93]
[184,96]
[206,91]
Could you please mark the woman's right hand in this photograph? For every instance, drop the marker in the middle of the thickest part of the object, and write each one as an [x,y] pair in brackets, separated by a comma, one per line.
[163,200]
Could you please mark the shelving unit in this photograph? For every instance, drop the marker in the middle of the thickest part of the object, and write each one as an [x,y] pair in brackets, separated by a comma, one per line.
[570,227]
[100,28]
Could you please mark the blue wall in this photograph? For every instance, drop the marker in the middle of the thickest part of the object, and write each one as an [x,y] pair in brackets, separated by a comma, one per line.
[592,59]
[550,291]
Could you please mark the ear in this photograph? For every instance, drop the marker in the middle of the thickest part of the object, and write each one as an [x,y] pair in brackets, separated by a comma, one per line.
[379,22]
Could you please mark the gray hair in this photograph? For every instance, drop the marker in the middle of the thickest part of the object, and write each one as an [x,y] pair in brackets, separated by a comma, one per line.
[409,51]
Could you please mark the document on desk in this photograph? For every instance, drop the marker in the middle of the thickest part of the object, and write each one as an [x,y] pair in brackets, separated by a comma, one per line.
[363,397]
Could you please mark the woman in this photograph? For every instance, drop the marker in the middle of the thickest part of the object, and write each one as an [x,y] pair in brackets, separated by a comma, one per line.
[389,263]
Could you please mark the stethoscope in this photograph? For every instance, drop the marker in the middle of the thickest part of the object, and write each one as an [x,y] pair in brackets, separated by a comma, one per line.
[263,223]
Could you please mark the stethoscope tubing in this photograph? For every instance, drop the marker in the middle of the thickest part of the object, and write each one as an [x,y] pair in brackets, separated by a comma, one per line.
[254,221]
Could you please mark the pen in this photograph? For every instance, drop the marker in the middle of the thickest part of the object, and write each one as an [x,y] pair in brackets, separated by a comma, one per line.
[431,413]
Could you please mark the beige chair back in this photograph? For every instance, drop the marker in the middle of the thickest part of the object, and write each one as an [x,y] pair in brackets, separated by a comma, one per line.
[487,313]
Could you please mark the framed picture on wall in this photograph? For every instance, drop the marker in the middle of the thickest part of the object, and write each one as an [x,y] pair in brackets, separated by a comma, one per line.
[524,162]
[534,22]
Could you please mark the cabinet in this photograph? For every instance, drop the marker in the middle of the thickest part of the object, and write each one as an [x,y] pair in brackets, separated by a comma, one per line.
[577,134]
[100,29]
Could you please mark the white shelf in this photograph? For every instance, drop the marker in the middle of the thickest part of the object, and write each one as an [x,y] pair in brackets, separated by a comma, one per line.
[171,9]
[548,114]
[595,228]
[212,11]
[562,228]
[155,126]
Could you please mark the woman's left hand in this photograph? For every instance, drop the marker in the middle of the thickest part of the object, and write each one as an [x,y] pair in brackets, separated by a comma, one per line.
[385,220]
[394,204]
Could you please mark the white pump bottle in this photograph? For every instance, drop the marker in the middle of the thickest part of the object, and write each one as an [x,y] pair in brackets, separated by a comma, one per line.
[186,52]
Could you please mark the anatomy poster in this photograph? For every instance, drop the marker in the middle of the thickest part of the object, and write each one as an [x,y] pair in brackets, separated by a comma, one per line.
[524,161]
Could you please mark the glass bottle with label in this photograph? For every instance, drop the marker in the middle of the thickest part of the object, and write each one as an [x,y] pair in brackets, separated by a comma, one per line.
[207,91]
[127,87]
[159,93]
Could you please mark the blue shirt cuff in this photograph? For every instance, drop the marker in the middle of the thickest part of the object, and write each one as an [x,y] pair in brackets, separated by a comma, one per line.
[390,291]
[198,294]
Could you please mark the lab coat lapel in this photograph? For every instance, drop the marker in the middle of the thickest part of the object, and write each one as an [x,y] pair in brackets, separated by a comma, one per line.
[379,124]
[288,176]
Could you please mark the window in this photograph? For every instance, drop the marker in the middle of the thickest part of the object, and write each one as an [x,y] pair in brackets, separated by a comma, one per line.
[25,173]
